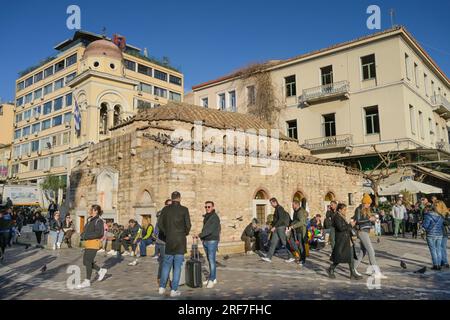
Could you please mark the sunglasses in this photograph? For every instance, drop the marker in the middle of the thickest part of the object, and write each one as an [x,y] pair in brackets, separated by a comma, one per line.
[208,207]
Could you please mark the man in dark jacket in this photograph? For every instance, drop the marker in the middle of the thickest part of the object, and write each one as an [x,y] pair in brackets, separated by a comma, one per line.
[299,223]
[249,236]
[281,220]
[175,223]
[52,208]
[210,237]
[131,237]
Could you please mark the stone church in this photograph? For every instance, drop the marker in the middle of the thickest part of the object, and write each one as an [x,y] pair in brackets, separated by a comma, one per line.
[233,159]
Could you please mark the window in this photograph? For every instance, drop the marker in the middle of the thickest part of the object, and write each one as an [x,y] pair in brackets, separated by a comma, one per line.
[29,97]
[130,65]
[329,125]
[432,88]
[57,104]
[46,124]
[232,99]
[143,104]
[34,165]
[57,121]
[222,102]
[48,72]
[19,102]
[59,66]
[421,128]
[38,94]
[44,164]
[372,120]
[416,74]
[1,110]
[144,70]
[38,76]
[68,100]
[205,102]
[438,133]
[71,60]
[291,89]
[160,75]
[408,76]
[36,127]
[36,111]
[175,80]
[20,85]
[28,82]
[26,131]
[174,96]
[59,84]
[292,129]
[71,76]
[425,83]
[27,114]
[160,92]
[430,125]
[66,138]
[19,117]
[17,133]
[412,119]
[67,117]
[47,107]
[251,95]
[145,88]
[368,67]
[327,75]
[48,89]
[34,145]
[45,143]
[25,148]
[55,161]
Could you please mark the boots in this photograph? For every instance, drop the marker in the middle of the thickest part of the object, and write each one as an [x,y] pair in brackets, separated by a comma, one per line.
[353,274]
[330,271]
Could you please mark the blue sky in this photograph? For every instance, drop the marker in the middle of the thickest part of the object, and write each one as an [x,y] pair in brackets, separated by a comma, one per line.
[208,39]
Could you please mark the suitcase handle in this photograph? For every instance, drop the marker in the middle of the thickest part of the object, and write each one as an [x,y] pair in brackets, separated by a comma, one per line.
[196,253]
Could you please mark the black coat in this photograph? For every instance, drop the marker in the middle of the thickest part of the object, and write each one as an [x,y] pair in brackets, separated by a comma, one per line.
[342,247]
[211,227]
[175,223]
[280,218]
[56,225]
[94,229]
[249,231]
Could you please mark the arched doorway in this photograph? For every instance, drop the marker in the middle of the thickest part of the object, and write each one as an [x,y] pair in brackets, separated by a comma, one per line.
[116,118]
[145,207]
[261,206]
[327,200]
[103,125]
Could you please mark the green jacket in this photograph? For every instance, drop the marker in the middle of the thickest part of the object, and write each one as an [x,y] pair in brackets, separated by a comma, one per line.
[299,221]
[146,234]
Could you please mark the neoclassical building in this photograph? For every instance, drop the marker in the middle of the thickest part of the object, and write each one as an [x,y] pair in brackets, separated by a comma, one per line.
[233,159]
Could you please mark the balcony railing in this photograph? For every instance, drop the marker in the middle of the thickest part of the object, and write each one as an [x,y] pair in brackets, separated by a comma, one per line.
[335,89]
[444,146]
[441,106]
[334,142]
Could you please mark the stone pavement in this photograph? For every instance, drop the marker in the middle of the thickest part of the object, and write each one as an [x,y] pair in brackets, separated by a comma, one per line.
[240,277]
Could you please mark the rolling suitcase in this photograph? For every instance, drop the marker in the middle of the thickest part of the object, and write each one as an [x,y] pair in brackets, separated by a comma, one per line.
[193,270]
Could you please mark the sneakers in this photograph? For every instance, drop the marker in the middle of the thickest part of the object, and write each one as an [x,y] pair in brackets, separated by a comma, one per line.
[54,247]
[101,274]
[161,291]
[359,274]
[174,293]
[58,245]
[210,285]
[126,253]
[135,262]
[132,254]
[249,253]
[206,282]
[290,260]
[155,257]
[101,250]
[266,259]
[111,252]
[85,284]
[379,275]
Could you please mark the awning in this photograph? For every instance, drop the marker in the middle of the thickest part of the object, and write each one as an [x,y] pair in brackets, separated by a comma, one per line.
[410,186]
[437,174]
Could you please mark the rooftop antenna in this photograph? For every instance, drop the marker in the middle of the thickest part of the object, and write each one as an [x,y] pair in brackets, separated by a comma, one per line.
[392,14]
[104,32]
[145,52]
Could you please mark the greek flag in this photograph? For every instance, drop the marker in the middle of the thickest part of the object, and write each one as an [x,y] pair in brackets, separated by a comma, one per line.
[77,118]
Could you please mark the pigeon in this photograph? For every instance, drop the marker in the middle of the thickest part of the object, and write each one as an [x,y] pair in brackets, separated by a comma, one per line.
[233,226]
[421,270]
[241,218]
[226,257]
[44,268]
[378,240]
[403,264]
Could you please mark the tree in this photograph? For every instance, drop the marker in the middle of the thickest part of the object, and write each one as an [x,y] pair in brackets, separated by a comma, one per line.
[51,186]
[389,164]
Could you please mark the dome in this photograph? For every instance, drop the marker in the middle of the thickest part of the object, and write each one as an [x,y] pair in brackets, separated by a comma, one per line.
[103,48]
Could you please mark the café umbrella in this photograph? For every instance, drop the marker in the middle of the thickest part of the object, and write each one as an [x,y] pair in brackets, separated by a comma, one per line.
[411,186]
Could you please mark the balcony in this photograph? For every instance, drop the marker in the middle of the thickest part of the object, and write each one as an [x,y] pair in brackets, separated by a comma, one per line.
[443,146]
[441,106]
[335,90]
[328,143]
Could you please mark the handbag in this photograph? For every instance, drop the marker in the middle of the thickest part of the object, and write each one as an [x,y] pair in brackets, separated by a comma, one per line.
[93,244]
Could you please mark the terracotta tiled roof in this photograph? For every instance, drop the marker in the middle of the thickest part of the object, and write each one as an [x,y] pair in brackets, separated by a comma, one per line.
[210,117]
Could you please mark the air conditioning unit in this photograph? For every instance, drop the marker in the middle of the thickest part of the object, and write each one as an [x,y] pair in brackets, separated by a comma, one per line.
[36,134]
[20,157]
[28,120]
[140,93]
[32,102]
[15,125]
[47,170]
[26,137]
[8,155]
[67,124]
[39,152]
[42,99]
[20,139]
[36,116]
[29,154]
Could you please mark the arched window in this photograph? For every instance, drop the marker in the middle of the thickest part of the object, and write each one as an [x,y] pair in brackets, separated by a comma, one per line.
[105,191]
[261,195]
[329,196]
[103,127]
[298,196]
[116,115]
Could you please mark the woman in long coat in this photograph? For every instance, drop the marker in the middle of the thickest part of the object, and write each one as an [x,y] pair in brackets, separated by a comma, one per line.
[343,248]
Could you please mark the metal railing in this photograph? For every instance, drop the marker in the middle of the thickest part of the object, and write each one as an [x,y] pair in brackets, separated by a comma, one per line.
[335,88]
[440,100]
[340,141]
[444,146]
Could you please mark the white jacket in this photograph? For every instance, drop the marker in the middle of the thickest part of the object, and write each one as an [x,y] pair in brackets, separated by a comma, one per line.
[398,212]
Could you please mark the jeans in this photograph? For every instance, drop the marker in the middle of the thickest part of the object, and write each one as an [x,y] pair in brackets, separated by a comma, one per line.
[365,247]
[434,244]
[278,235]
[397,223]
[162,254]
[57,236]
[444,258]
[378,229]
[210,250]
[143,246]
[175,261]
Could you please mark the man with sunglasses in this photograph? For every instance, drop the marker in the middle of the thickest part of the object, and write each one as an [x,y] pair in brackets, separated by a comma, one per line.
[210,237]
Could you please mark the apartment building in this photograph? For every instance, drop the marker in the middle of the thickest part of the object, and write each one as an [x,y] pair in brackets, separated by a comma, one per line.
[382,89]
[108,79]
[6,138]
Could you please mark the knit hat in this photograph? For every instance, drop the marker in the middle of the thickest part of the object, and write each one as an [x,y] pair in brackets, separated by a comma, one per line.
[366,199]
